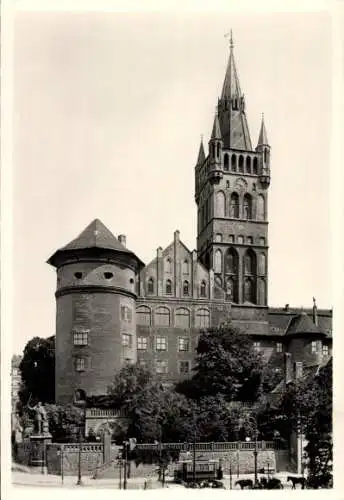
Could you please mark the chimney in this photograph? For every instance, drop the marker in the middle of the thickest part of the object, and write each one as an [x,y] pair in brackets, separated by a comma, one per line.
[176,235]
[122,239]
[298,369]
[286,308]
[315,312]
[288,368]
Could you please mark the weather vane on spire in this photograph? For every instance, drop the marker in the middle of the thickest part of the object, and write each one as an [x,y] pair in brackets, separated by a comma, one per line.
[230,35]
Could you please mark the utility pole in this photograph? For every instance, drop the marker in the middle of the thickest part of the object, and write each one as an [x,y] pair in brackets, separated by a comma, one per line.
[194,458]
[79,481]
[255,453]
[125,464]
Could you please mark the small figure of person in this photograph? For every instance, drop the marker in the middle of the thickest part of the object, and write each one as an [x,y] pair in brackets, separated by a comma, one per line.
[17,435]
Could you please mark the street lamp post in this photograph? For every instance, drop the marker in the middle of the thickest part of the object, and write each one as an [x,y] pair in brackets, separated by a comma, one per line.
[79,481]
[125,444]
[194,458]
[255,454]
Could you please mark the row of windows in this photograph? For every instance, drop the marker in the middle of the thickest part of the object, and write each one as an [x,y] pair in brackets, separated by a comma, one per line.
[324,347]
[236,210]
[230,262]
[161,344]
[231,287]
[182,317]
[161,366]
[185,266]
[238,164]
[241,240]
[151,287]
[257,347]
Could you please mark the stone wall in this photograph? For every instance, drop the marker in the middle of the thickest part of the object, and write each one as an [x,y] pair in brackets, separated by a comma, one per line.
[64,458]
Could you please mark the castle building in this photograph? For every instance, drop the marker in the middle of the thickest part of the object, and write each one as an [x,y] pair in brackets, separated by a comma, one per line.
[111,309]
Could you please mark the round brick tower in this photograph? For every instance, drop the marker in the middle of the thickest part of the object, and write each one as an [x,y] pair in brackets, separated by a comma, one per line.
[95,312]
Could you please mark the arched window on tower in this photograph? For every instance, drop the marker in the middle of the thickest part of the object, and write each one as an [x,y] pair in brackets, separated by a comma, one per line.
[231,261]
[250,262]
[182,318]
[234,208]
[220,204]
[265,155]
[247,207]
[248,165]
[226,162]
[263,292]
[234,163]
[162,316]
[260,207]
[150,287]
[255,165]
[202,318]
[230,289]
[241,164]
[218,261]
[203,289]
[186,290]
[213,150]
[168,288]
[248,290]
[218,150]
[262,263]
[143,315]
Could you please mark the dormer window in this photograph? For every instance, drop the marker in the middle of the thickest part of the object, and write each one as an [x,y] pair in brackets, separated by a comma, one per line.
[108,275]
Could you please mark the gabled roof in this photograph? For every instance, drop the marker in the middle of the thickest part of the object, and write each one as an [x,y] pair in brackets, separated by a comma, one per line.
[302,324]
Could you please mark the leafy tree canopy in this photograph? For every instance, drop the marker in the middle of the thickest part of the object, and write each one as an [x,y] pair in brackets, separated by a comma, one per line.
[38,371]
[226,365]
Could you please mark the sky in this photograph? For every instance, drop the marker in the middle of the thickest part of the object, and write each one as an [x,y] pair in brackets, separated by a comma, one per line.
[108,113]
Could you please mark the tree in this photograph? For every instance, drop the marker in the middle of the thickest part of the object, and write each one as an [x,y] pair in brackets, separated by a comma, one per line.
[38,371]
[226,365]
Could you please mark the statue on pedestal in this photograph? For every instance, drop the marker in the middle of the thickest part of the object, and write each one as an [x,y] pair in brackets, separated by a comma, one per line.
[41,419]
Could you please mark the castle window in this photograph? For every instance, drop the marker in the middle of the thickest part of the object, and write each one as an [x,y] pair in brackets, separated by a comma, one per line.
[168,265]
[314,348]
[234,163]
[218,261]
[240,240]
[234,206]
[161,366]
[126,314]
[325,350]
[220,204]
[248,290]
[248,165]
[162,316]
[143,315]
[256,346]
[131,281]
[142,343]
[161,344]
[184,367]
[231,238]
[202,318]
[182,318]
[150,287]
[260,207]
[262,262]
[218,281]
[168,287]
[265,155]
[126,340]
[230,289]
[226,162]
[218,238]
[213,150]
[249,240]
[247,207]
[186,290]
[78,275]
[183,344]
[262,241]
[218,149]
[80,364]
[186,267]
[80,338]
[250,262]
[108,275]
[231,261]
[279,347]
[203,291]
[241,164]
[227,184]
[255,165]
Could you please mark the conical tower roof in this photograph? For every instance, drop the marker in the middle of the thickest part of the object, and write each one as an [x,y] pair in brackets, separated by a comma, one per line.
[216,132]
[263,137]
[303,325]
[201,154]
[95,236]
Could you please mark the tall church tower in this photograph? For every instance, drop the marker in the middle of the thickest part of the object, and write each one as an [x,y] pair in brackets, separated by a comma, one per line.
[231,192]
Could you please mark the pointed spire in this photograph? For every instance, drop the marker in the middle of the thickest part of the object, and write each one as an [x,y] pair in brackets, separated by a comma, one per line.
[201,154]
[231,85]
[263,138]
[216,133]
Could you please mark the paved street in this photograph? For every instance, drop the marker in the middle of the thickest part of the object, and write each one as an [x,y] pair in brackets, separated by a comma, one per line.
[29,479]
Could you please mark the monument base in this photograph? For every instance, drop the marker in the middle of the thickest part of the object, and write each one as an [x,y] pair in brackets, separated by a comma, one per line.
[38,446]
